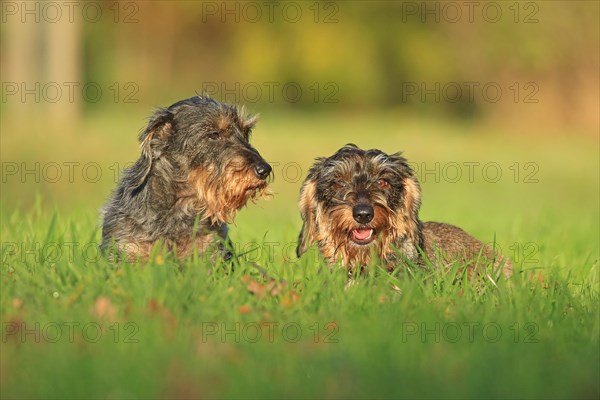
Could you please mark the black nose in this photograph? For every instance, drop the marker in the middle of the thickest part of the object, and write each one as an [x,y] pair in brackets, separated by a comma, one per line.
[362,213]
[262,170]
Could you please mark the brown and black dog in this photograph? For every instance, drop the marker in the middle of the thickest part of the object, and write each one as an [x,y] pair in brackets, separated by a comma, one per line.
[362,203]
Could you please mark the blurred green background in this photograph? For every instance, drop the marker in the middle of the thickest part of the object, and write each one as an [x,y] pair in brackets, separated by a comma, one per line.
[467,90]
[79,81]
[495,103]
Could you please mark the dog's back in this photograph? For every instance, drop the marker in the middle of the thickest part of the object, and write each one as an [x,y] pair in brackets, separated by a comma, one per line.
[446,244]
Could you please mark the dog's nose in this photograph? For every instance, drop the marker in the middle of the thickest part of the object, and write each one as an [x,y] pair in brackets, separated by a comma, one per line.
[262,170]
[363,213]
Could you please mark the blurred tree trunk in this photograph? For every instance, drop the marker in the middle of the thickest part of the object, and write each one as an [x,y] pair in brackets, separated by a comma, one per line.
[19,63]
[63,62]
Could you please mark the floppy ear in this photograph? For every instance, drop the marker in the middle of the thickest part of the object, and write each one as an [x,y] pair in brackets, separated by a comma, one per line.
[410,186]
[408,222]
[412,202]
[412,197]
[308,205]
[158,130]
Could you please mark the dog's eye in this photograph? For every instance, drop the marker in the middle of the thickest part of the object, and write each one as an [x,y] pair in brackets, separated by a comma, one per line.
[382,183]
[213,135]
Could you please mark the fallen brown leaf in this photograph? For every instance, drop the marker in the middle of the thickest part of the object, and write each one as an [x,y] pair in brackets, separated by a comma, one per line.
[17,303]
[245,309]
[104,309]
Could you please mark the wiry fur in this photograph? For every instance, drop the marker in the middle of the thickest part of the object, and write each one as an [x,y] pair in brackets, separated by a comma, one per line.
[195,171]
[351,177]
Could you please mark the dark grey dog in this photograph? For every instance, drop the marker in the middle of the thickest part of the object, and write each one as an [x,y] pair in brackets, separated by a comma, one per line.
[196,170]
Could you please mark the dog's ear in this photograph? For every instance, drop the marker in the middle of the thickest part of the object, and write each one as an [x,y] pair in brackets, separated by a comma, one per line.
[247,120]
[158,130]
[408,222]
[412,197]
[308,209]
[410,185]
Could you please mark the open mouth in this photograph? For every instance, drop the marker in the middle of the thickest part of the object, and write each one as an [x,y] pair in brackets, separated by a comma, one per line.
[362,236]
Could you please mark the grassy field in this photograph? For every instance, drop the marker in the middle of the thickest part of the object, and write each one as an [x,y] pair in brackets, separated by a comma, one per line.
[74,326]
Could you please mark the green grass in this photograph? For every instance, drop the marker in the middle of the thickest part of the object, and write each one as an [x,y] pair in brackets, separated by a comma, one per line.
[178,329]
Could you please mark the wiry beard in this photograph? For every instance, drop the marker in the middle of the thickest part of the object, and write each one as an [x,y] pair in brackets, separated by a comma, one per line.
[335,227]
[218,195]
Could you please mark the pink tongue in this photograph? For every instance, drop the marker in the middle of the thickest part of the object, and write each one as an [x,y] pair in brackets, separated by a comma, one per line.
[361,234]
